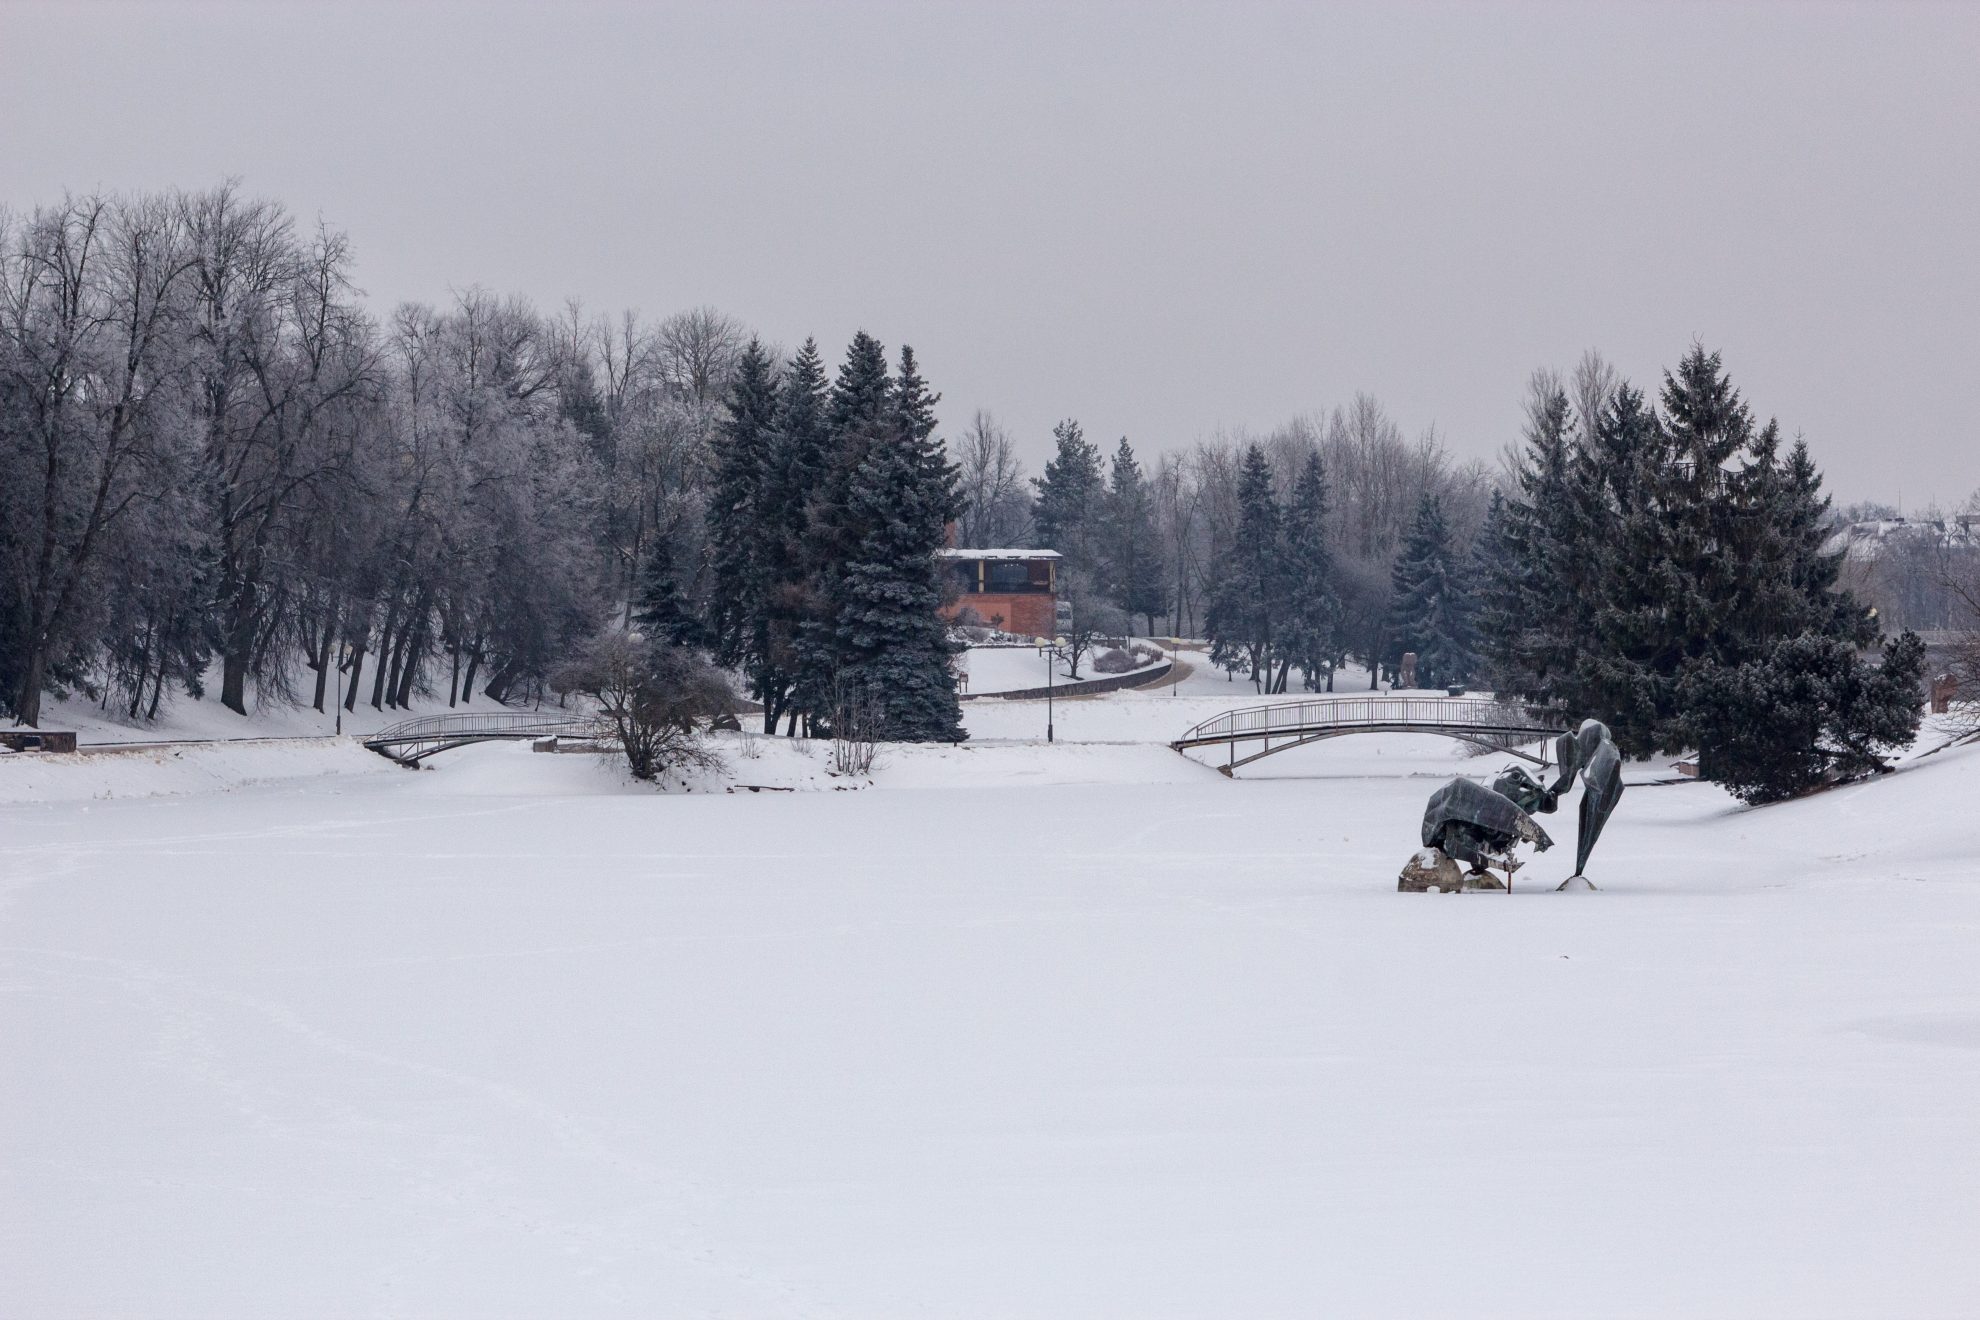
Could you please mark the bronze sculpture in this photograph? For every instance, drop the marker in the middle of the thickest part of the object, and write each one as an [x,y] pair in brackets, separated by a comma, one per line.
[1467,822]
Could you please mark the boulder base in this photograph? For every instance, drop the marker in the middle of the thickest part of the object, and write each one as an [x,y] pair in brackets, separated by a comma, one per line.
[1430,872]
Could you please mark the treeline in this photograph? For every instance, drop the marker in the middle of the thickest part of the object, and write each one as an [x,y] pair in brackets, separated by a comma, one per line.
[1293,551]
[212,459]
[215,463]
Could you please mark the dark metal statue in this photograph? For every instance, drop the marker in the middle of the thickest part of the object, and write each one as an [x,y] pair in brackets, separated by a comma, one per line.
[1468,822]
[1590,752]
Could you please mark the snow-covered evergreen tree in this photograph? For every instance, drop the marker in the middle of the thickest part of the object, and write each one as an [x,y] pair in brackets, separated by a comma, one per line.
[1528,549]
[738,532]
[661,611]
[892,648]
[1066,514]
[1310,637]
[798,449]
[1807,711]
[1249,588]
[858,415]
[1432,608]
[1131,552]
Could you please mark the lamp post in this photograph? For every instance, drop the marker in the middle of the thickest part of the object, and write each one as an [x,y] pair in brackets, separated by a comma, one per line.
[1050,651]
[343,653]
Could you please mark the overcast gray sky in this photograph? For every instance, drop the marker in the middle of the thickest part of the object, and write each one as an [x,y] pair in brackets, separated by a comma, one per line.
[1161,220]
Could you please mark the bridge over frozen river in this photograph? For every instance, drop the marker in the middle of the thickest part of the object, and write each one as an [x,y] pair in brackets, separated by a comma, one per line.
[411,741]
[1282,726]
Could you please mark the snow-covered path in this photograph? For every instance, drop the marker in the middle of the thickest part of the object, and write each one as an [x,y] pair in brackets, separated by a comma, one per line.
[1081,1031]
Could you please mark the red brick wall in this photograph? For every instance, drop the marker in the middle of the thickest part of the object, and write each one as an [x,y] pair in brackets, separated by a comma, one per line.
[1029,614]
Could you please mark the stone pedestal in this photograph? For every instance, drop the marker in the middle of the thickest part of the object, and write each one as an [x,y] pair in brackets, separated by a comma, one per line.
[1430,872]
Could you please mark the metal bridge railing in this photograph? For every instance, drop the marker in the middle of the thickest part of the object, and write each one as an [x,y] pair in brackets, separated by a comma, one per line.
[1473,714]
[508,723]
[411,741]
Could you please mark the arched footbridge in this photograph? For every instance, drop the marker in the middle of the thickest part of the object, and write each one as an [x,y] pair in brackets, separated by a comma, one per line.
[411,741]
[1288,724]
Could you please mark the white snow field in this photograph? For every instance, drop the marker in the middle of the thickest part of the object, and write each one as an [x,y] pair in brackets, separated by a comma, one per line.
[1073,1031]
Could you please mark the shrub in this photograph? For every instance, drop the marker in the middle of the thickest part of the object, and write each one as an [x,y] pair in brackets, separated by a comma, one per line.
[1811,712]
[652,699]
[1114,661]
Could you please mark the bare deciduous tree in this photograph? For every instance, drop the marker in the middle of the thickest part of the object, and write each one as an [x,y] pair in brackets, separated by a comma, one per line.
[996,496]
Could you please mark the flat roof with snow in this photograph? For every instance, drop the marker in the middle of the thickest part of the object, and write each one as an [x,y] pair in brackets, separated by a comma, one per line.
[998,554]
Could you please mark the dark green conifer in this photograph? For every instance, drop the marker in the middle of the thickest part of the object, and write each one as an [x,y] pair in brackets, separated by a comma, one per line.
[661,612]
[1249,587]
[1310,637]
[737,516]
[1432,609]
[892,649]
[796,470]
[1132,555]
[1070,495]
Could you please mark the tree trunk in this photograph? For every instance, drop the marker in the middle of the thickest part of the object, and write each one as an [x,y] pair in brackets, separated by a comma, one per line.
[416,632]
[233,682]
[474,663]
[385,672]
[27,707]
[323,670]
[357,673]
[385,643]
[409,669]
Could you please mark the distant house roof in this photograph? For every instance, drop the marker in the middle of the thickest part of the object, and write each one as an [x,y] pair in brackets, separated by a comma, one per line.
[998,554]
[1871,539]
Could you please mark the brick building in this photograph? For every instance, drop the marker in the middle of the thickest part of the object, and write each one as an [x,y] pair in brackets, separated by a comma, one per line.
[1015,590]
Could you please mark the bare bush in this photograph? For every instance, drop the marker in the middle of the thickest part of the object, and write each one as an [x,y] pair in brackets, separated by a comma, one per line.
[855,729]
[652,699]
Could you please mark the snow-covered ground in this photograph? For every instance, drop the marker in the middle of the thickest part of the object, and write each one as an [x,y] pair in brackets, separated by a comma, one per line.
[1080,1030]
[185,718]
[1020,669]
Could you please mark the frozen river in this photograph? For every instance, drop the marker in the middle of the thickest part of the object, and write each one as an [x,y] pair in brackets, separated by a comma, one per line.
[1079,1031]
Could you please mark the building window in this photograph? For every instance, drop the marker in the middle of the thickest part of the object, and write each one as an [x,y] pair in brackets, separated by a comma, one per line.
[1019,575]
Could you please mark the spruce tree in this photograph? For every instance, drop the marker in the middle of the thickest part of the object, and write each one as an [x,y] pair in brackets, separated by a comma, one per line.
[796,469]
[914,424]
[1133,568]
[1528,550]
[1806,712]
[1070,495]
[1310,637]
[858,415]
[661,612]
[1247,594]
[892,648]
[738,530]
[1432,610]
[1498,572]
[1688,559]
